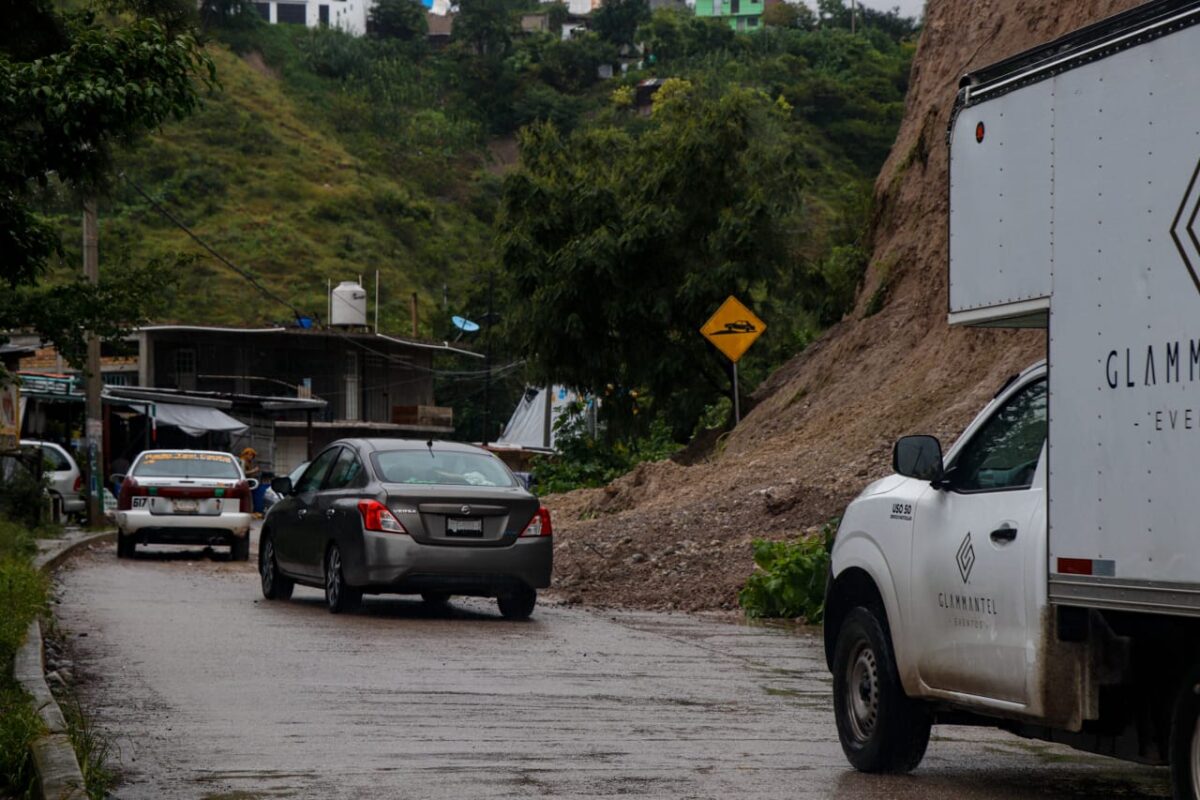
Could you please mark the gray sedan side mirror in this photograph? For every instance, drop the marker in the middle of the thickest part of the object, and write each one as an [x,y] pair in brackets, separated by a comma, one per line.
[918,457]
[282,486]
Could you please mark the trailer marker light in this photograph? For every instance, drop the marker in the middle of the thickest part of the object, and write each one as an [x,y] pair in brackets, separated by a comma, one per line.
[979,132]
[1096,567]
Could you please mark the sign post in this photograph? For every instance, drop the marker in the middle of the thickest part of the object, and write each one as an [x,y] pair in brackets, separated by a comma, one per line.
[732,329]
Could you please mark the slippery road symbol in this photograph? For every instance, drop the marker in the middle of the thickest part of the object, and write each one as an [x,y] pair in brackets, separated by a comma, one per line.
[733,328]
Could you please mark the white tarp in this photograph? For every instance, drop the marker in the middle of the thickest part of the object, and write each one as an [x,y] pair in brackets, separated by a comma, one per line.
[527,426]
[197,420]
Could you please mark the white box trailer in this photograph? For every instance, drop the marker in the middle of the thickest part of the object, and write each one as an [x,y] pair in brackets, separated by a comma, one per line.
[1073,206]
[1043,575]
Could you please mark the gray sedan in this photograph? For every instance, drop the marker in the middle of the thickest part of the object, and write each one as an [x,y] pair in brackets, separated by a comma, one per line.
[372,516]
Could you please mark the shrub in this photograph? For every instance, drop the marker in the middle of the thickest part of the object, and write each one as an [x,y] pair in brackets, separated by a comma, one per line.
[22,597]
[587,461]
[790,579]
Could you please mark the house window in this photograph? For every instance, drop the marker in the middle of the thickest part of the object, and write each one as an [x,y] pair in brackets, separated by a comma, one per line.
[734,6]
[185,368]
[295,13]
[264,10]
[351,387]
[752,22]
[323,16]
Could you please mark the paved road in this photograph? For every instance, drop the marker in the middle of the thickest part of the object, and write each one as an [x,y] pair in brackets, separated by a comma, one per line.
[208,691]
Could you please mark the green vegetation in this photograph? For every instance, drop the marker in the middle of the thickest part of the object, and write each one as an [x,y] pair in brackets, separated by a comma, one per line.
[22,597]
[751,177]
[319,156]
[92,748]
[790,579]
[75,84]
[588,461]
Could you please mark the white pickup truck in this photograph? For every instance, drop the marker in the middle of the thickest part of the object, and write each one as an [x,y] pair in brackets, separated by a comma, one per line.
[1043,576]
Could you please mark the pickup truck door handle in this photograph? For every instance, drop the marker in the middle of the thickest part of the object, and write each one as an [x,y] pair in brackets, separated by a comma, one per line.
[331,513]
[1005,534]
[302,513]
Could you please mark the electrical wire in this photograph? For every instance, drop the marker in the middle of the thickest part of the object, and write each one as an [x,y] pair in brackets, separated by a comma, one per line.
[247,276]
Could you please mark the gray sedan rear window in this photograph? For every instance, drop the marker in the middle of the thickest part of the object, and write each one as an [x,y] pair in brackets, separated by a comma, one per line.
[443,469]
[186,465]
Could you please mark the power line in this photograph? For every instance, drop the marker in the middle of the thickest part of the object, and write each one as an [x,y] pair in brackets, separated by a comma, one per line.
[244,274]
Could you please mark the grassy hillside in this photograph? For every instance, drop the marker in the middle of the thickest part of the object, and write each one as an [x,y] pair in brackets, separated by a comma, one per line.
[262,176]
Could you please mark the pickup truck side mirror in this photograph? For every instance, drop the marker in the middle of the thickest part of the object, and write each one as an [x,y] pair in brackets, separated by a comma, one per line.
[282,486]
[919,457]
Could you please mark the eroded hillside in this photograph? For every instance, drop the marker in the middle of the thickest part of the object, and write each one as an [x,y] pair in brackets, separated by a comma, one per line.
[671,536]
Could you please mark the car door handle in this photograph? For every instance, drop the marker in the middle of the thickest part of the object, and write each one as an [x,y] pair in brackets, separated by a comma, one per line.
[302,513]
[331,513]
[1005,534]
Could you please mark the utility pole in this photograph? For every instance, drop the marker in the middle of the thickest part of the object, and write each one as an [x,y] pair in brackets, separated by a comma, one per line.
[853,15]
[94,426]
[487,361]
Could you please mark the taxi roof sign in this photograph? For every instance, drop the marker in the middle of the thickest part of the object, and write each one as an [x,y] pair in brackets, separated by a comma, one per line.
[733,328]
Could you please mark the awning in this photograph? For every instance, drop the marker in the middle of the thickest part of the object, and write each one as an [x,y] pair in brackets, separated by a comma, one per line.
[197,420]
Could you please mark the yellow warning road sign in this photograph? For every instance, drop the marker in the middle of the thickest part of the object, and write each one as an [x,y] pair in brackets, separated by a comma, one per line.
[733,329]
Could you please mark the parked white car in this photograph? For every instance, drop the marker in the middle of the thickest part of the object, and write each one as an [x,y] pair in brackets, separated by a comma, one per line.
[196,497]
[66,480]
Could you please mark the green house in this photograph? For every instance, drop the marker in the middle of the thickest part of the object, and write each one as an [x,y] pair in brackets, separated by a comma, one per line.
[743,15]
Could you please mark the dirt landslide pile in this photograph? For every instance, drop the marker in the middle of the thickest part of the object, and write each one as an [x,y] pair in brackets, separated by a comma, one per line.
[669,536]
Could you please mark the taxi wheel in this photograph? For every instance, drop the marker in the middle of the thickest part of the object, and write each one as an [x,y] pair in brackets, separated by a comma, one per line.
[125,545]
[239,549]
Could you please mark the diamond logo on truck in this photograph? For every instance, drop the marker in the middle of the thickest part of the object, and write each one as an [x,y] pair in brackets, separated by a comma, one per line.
[965,558]
[1183,228]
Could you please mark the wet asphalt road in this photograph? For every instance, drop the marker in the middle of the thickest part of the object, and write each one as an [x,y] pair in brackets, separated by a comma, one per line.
[205,690]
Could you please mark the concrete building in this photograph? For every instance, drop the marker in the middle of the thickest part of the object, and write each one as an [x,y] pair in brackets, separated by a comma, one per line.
[742,15]
[349,15]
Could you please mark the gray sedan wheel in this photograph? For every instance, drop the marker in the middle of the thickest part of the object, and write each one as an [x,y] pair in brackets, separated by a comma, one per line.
[339,598]
[518,604]
[274,585]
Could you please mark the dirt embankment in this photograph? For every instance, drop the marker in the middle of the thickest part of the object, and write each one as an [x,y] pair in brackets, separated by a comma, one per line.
[669,536]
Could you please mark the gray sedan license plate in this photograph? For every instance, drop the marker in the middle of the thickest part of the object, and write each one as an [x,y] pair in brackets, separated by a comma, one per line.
[464,527]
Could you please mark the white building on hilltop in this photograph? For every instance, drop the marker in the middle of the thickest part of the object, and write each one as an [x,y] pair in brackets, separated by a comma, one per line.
[349,15]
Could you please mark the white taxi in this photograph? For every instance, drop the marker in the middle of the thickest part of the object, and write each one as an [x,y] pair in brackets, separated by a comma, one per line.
[196,497]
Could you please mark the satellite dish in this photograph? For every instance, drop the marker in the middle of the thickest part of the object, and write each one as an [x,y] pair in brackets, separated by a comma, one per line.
[464,324]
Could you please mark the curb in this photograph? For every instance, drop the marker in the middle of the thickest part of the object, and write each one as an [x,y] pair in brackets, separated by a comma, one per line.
[59,774]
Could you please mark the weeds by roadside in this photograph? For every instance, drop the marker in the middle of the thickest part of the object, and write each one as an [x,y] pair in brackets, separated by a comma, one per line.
[790,578]
[22,597]
[92,747]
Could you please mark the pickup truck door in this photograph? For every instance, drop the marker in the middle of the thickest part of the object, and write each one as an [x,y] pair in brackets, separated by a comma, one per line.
[972,556]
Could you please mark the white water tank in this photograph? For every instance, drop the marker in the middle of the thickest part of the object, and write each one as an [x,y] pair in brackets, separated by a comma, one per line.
[348,305]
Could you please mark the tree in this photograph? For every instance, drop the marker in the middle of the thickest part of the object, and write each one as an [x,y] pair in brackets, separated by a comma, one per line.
[557,14]
[616,21]
[397,19]
[616,247]
[74,85]
[486,27]
[789,15]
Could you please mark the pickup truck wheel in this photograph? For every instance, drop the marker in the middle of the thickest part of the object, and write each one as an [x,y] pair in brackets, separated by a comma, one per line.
[275,586]
[339,598]
[1185,739]
[880,728]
